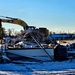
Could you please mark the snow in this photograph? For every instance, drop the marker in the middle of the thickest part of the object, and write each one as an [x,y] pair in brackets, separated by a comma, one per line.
[37,68]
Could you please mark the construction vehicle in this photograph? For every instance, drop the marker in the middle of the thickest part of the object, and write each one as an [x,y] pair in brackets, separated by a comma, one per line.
[20,22]
[13,21]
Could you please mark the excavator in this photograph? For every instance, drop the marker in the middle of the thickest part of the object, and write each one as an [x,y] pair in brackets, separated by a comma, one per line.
[18,22]
[13,21]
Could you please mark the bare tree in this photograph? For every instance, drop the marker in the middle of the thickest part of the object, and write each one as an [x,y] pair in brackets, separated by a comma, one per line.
[10,32]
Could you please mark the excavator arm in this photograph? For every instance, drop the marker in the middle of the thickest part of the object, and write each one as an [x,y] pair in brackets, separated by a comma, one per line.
[13,21]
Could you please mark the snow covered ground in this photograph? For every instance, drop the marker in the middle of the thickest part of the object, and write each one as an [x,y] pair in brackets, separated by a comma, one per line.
[37,68]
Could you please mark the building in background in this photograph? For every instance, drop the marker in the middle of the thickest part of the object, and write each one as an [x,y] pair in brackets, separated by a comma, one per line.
[60,36]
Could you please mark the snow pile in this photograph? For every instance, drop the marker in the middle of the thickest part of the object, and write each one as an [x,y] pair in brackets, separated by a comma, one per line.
[37,68]
[11,67]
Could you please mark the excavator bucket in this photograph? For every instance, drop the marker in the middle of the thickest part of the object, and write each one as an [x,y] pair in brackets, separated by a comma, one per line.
[0,29]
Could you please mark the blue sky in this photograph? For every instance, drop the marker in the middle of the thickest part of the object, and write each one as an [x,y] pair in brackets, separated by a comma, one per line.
[56,15]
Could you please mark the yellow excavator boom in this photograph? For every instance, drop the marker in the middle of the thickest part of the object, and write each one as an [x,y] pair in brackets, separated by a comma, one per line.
[13,21]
